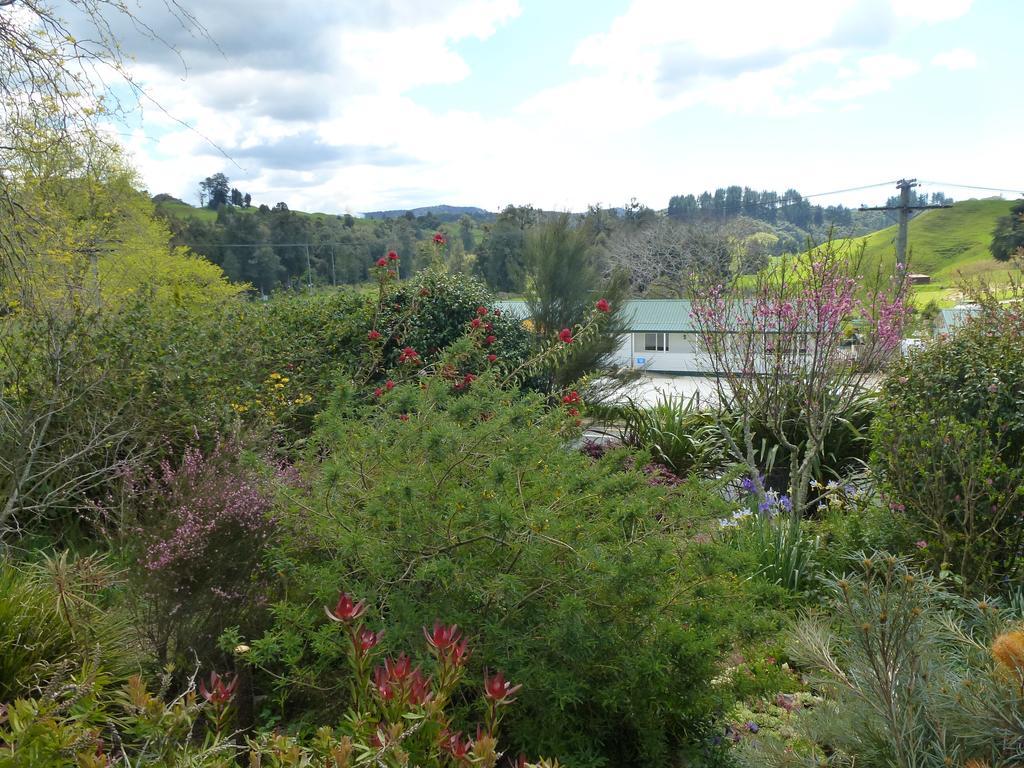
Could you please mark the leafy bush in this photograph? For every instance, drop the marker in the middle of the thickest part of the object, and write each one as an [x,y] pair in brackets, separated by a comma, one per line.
[949,445]
[571,574]
[677,433]
[432,311]
[845,449]
[399,717]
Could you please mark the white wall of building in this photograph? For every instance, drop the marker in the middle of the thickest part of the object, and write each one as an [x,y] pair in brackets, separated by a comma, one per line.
[678,353]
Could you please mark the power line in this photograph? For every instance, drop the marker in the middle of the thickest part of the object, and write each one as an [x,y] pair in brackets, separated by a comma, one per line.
[971,186]
[852,189]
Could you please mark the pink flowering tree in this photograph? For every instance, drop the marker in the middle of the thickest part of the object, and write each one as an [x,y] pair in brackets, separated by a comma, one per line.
[803,337]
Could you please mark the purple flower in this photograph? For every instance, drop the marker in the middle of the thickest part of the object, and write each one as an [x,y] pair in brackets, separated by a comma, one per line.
[786,503]
[747,485]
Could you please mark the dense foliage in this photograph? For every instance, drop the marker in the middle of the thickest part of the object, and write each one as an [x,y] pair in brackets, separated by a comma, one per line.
[468,507]
[949,442]
[239,529]
[1008,237]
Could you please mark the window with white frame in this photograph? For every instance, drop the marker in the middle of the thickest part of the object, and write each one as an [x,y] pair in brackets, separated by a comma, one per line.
[656,342]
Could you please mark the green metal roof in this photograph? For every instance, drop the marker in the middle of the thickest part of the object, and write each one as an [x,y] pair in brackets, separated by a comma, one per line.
[664,315]
[639,315]
[954,318]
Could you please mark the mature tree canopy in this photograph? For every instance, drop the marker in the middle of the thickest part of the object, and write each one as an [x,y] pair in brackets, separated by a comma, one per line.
[1008,237]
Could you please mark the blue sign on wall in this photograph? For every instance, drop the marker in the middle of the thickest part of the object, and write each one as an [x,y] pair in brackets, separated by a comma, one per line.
[641,361]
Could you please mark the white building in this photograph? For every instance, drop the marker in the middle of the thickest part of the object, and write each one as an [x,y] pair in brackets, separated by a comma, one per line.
[660,336]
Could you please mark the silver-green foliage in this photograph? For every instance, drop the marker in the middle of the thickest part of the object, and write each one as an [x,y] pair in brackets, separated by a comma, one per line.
[908,677]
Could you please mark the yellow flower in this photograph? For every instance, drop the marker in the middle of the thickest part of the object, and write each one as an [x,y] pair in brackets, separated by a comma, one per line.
[1008,650]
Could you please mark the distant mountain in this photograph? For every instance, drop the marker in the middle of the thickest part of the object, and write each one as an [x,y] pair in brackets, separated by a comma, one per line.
[442,212]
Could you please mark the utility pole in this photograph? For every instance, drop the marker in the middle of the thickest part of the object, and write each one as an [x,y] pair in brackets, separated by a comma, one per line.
[904,208]
[309,271]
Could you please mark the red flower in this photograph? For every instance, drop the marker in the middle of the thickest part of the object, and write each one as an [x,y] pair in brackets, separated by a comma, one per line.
[602,305]
[469,378]
[496,689]
[458,653]
[389,385]
[424,292]
[365,639]
[382,262]
[442,637]
[378,392]
[491,358]
[392,256]
[438,238]
[490,339]
[398,669]
[419,688]
[346,610]
[373,335]
[409,355]
[475,322]
[481,310]
[489,327]
[497,313]
[455,745]
[572,397]
[574,412]
[565,335]
[403,416]
[382,682]
[219,692]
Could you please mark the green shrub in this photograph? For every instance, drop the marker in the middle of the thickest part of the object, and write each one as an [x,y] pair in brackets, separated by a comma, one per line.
[845,451]
[677,433]
[573,575]
[438,306]
[949,447]
[54,615]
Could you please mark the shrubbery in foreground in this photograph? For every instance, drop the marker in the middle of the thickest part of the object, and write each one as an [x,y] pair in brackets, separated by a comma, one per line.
[576,575]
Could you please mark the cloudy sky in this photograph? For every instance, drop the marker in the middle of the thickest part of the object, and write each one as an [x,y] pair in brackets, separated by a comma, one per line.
[356,105]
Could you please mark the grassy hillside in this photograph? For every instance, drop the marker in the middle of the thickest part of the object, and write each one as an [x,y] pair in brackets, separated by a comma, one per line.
[948,244]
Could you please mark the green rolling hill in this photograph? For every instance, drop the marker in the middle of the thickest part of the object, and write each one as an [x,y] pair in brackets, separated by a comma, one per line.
[948,244]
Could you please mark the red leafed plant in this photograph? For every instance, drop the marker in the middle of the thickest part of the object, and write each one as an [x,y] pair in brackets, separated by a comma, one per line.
[399,709]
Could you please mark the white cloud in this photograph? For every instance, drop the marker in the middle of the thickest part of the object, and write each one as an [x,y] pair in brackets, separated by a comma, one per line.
[316,102]
[958,58]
